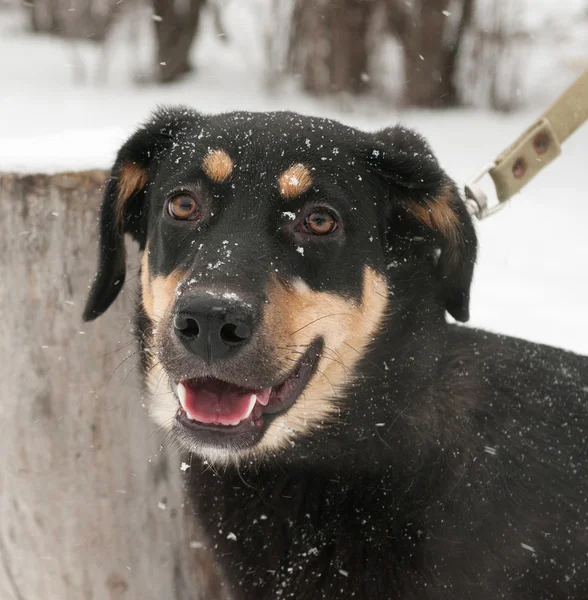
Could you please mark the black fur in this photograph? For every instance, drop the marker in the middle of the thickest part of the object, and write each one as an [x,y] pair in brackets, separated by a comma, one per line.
[474,487]
[144,149]
[456,468]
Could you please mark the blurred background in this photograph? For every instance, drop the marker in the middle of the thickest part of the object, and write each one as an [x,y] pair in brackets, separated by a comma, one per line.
[496,54]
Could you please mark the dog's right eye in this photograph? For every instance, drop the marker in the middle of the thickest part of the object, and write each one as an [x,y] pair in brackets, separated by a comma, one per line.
[183,207]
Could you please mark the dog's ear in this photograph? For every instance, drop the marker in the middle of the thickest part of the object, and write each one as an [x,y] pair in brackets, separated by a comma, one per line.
[124,208]
[419,186]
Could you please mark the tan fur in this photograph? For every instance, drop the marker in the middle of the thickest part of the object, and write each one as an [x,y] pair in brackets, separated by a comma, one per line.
[295,317]
[217,165]
[131,179]
[294,181]
[438,213]
[158,293]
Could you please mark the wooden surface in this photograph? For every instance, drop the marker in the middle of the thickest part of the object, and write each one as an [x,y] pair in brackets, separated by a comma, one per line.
[90,507]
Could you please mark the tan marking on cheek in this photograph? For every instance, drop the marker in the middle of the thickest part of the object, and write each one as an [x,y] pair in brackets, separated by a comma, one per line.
[158,293]
[146,291]
[294,181]
[217,165]
[439,214]
[131,179]
[294,319]
[158,297]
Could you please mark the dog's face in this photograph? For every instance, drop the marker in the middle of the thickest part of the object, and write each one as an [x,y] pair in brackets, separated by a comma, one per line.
[276,251]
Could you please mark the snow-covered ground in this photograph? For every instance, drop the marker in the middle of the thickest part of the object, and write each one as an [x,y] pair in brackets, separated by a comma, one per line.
[531,280]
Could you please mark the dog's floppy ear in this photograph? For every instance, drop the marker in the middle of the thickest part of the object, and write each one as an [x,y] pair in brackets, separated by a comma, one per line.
[417,183]
[124,208]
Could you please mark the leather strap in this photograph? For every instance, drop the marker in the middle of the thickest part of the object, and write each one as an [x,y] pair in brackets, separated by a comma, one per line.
[534,149]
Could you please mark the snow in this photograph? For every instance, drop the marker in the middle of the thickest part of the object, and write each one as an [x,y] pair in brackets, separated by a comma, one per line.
[531,280]
[68,150]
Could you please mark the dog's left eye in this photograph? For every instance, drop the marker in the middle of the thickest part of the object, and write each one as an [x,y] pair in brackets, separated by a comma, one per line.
[319,222]
[183,207]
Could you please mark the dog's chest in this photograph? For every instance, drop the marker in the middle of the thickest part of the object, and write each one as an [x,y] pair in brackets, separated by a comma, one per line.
[301,538]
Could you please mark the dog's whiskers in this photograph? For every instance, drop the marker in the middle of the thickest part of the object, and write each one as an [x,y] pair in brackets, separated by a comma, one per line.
[320,319]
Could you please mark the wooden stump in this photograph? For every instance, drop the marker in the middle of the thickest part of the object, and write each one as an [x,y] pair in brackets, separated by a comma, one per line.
[90,506]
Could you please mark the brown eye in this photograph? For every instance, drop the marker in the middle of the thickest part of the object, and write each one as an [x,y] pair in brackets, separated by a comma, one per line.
[320,222]
[183,207]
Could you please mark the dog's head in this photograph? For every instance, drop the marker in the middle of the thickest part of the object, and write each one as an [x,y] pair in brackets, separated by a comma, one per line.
[278,252]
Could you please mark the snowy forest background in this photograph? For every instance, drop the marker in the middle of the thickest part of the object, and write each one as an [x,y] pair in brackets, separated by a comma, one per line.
[424,53]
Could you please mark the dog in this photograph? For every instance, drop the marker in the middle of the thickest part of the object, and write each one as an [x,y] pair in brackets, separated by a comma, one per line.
[347,441]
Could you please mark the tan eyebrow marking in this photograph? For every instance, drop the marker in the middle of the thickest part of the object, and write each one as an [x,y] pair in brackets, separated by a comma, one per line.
[294,181]
[131,179]
[217,165]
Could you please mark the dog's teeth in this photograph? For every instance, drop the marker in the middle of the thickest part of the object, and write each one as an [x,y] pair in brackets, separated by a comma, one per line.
[252,402]
[250,407]
[264,398]
[181,391]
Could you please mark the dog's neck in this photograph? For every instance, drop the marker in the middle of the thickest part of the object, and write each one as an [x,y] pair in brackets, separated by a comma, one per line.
[279,523]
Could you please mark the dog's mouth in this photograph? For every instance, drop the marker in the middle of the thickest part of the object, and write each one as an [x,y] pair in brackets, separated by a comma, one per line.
[213,405]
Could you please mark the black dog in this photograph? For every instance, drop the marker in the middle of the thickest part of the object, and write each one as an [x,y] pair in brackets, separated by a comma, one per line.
[294,283]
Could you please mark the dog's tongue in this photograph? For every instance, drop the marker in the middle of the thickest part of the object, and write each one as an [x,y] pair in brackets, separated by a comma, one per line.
[218,402]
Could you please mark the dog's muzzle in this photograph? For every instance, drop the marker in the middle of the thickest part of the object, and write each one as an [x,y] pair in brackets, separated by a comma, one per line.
[214,327]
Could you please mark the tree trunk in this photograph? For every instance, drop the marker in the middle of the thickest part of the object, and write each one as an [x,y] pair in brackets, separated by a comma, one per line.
[45,16]
[330,45]
[73,19]
[90,506]
[425,57]
[431,49]
[176,24]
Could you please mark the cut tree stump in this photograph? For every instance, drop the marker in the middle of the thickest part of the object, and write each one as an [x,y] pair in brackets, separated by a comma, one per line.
[91,507]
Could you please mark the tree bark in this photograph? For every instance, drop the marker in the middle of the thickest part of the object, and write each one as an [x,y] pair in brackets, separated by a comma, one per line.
[90,506]
[176,24]
[430,54]
[330,45]
[79,19]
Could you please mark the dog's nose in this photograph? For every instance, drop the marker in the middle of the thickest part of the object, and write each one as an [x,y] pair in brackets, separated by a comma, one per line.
[214,328]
